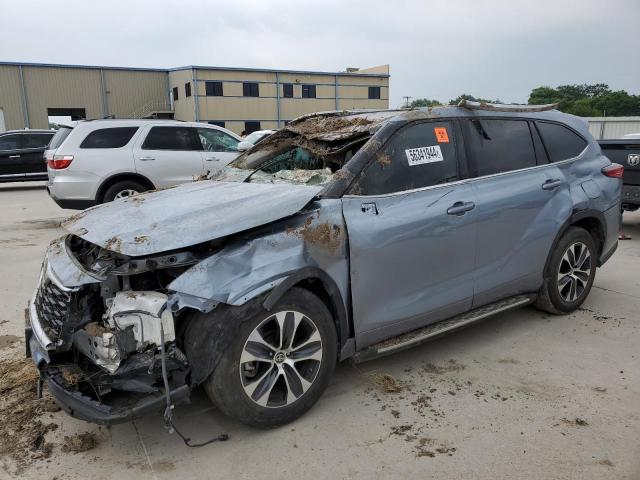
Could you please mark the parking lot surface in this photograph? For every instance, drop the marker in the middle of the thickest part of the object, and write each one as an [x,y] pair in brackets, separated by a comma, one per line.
[522,395]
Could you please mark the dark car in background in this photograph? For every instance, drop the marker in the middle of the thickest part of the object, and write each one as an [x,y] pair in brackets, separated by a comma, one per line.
[22,155]
[626,152]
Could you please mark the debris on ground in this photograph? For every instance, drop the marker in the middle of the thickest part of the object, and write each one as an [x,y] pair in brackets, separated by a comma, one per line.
[22,432]
[80,442]
[428,447]
[400,429]
[578,422]
[387,384]
[451,366]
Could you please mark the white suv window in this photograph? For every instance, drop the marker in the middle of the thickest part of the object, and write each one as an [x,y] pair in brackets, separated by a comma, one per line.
[172,138]
[216,141]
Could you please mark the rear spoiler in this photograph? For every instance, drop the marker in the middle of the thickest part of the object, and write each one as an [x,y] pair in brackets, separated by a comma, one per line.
[496,107]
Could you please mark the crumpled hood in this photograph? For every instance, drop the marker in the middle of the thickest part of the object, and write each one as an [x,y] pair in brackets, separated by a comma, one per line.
[186,215]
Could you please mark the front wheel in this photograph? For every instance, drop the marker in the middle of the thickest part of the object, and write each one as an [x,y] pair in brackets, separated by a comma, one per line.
[570,272]
[279,364]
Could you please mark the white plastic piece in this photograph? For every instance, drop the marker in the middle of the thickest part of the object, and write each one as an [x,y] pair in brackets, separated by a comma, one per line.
[145,312]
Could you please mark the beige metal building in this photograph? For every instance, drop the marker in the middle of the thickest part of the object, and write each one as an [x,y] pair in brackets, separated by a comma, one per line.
[240,99]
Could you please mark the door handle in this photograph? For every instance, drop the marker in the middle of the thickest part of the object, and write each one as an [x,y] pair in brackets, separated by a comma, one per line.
[14,156]
[212,159]
[146,159]
[460,208]
[551,184]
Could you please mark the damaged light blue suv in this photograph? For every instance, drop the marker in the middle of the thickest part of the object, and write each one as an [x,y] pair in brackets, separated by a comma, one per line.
[343,235]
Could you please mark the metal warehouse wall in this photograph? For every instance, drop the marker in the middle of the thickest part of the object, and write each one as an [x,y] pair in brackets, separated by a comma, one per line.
[134,94]
[613,127]
[28,91]
[10,97]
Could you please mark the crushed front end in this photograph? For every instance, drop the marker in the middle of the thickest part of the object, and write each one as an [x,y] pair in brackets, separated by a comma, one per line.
[95,326]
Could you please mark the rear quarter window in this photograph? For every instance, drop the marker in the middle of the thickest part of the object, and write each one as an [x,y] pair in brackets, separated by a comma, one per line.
[59,137]
[116,137]
[561,142]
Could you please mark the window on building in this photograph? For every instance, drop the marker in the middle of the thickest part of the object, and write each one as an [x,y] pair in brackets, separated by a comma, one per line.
[216,141]
[496,146]
[287,90]
[172,138]
[213,89]
[187,89]
[415,157]
[175,93]
[109,137]
[561,143]
[374,93]
[251,126]
[218,123]
[250,89]
[308,91]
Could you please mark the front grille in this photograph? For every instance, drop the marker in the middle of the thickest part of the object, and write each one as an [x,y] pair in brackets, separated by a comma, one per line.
[52,306]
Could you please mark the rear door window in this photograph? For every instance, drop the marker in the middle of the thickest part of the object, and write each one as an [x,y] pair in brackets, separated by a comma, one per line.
[36,140]
[172,138]
[561,142]
[216,141]
[496,146]
[418,155]
[109,137]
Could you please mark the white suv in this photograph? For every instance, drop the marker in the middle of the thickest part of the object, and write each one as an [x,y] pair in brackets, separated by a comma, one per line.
[97,161]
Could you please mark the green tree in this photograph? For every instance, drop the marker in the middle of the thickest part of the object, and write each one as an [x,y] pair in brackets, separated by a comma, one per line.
[587,100]
[424,102]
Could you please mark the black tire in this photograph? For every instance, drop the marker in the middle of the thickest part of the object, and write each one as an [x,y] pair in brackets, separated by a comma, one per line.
[226,385]
[125,185]
[558,299]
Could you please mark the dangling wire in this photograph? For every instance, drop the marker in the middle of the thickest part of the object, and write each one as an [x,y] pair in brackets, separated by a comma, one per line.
[168,411]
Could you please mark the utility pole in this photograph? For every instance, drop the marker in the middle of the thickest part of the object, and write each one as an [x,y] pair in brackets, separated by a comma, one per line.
[406,101]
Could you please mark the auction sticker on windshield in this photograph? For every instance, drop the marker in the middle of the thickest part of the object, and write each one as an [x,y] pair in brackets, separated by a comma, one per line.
[421,155]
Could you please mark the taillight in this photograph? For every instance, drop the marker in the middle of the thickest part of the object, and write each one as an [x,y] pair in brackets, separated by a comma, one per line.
[58,162]
[615,170]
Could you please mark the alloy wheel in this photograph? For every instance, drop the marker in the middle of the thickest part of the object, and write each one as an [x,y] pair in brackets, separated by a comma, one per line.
[125,194]
[281,359]
[574,271]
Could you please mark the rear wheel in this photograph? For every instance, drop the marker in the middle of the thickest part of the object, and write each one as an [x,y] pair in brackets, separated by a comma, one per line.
[279,364]
[570,272]
[123,189]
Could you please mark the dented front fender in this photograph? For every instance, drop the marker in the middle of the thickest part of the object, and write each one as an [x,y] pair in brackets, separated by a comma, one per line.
[258,261]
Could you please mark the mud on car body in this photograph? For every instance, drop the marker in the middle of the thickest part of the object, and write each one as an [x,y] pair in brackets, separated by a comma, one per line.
[345,234]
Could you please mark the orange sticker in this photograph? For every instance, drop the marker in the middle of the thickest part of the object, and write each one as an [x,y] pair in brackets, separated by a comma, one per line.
[441,134]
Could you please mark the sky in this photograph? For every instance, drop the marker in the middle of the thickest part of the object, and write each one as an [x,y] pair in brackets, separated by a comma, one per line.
[436,49]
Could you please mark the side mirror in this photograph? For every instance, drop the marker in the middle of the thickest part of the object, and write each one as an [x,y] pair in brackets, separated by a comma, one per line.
[243,146]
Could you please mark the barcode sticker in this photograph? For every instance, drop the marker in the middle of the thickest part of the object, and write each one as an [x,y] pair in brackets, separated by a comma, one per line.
[422,155]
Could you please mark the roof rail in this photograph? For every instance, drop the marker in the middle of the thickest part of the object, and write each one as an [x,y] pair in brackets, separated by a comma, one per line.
[496,107]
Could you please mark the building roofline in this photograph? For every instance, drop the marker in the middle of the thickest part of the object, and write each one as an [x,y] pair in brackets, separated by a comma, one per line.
[190,67]
[92,67]
[279,70]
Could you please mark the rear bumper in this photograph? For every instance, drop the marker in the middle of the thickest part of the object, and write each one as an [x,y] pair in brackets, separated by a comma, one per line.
[71,204]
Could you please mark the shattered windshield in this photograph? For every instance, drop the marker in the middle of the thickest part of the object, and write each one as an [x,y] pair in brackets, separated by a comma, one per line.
[308,151]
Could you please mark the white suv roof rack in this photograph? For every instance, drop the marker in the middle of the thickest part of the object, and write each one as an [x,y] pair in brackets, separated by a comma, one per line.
[496,107]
